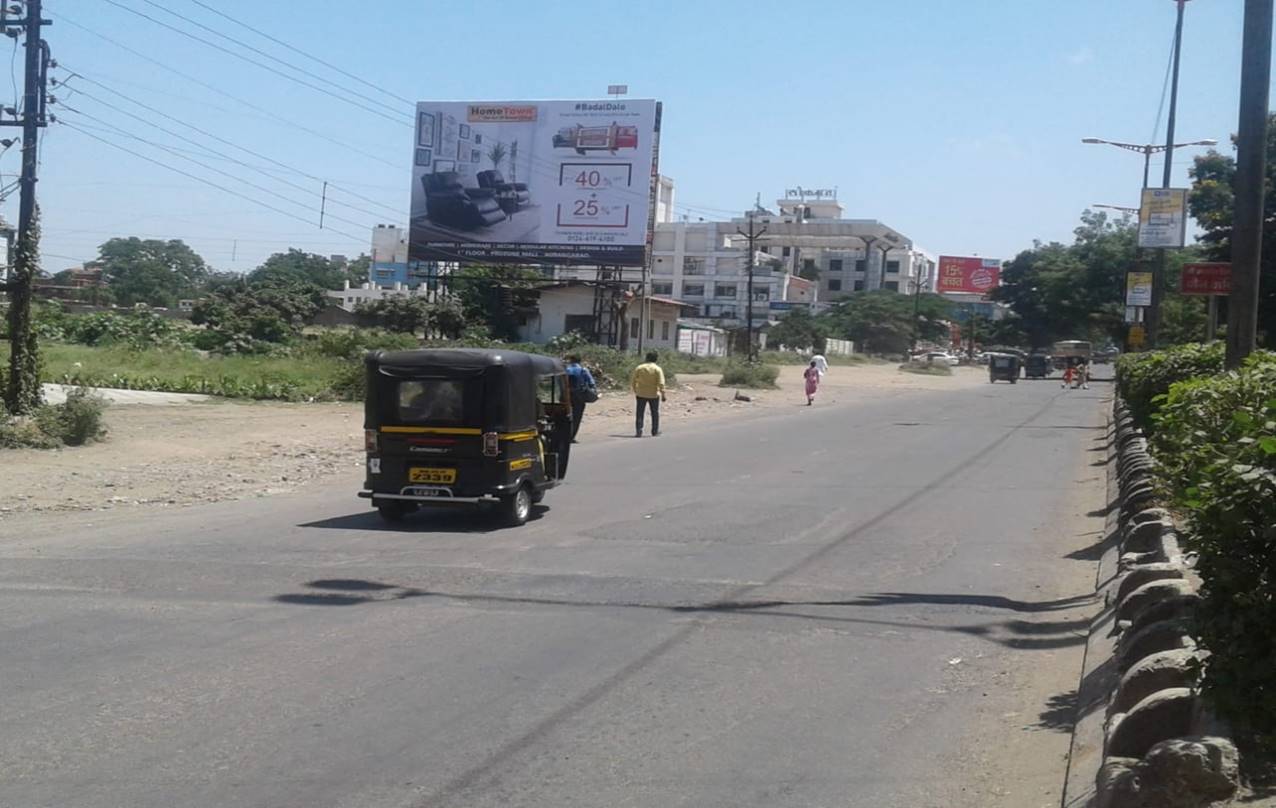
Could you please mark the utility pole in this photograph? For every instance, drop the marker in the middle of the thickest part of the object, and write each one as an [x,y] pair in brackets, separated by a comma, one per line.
[1158,270]
[1251,169]
[22,395]
[918,283]
[753,235]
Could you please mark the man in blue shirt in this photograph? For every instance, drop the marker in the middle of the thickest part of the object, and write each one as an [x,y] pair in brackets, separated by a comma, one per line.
[582,387]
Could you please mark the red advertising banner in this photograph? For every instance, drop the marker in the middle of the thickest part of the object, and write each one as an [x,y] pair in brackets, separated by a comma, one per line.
[968,274]
[1206,279]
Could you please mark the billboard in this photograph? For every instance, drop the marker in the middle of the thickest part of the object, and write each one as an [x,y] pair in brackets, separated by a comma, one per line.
[1138,288]
[968,274]
[1206,279]
[557,182]
[1163,217]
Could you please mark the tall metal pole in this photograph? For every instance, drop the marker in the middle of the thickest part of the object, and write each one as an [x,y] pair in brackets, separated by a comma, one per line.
[1251,169]
[1147,163]
[23,392]
[1158,270]
[752,236]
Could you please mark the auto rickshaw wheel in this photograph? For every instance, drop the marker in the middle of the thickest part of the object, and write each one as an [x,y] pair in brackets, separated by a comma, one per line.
[517,507]
[393,510]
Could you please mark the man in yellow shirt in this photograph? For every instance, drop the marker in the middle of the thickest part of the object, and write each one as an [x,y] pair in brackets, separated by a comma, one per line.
[648,384]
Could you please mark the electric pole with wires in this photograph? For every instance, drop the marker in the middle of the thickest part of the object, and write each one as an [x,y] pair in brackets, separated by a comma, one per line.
[22,392]
[752,236]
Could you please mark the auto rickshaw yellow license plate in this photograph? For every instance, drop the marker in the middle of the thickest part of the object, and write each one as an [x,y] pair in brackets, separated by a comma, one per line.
[435,476]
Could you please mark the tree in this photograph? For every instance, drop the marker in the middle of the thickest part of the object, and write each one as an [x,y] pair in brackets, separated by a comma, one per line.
[150,271]
[358,270]
[1212,203]
[491,296]
[247,317]
[882,321]
[416,315]
[1073,291]
[798,329]
[299,266]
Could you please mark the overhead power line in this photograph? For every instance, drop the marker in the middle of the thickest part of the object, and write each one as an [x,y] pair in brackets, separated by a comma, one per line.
[292,169]
[200,179]
[297,50]
[398,118]
[264,111]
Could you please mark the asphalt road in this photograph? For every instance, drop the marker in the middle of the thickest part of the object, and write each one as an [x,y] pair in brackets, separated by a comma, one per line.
[871,605]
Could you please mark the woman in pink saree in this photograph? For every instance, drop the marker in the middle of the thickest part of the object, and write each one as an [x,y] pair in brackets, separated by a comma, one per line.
[812,376]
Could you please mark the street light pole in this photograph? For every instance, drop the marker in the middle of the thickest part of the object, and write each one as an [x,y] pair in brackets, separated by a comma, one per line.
[752,236]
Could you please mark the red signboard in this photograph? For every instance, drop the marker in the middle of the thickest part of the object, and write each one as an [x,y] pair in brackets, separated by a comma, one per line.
[963,274]
[1206,279]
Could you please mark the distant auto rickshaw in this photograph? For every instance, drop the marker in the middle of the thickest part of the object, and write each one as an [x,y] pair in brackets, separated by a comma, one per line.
[464,427]
[1037,366]
[1004,367]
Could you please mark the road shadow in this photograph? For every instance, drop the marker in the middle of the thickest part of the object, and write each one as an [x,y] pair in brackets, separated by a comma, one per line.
[1105,510]
[1016,634]
[426,520]
[1060,713]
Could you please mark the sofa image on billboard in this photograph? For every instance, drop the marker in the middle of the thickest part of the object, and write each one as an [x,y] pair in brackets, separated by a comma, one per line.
[511,195]
[450,204]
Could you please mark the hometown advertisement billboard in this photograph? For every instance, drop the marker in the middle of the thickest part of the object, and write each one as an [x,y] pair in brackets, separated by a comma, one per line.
[557,182]
[968,274]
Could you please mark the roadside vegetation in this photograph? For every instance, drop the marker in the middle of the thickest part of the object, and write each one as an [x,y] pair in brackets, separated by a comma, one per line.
[754,375]
[76,422]
[1213,435]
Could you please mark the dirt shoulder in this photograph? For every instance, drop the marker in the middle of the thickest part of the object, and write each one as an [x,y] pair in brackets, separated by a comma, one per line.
[182,454]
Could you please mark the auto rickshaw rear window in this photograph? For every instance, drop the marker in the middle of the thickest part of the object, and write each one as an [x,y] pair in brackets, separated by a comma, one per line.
[431,401]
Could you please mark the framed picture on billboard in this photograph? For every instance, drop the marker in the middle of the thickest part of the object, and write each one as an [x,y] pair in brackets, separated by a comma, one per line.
[424,157]
[475,155]
[425,129]
[478,138]
[444,165]
[465,131]
[462,151]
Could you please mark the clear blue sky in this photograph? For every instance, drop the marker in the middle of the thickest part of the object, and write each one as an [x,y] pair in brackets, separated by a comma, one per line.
[957,123]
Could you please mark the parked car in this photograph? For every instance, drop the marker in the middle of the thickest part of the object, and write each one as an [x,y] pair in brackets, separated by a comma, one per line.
[940,358]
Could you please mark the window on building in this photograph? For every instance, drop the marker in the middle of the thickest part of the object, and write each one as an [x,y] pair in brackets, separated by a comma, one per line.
[835,285]
[692,266]
[835,265]
[861,265]
[664,330]
[633,328]
[727,312]
[891,286]
[786,252]
[693,290]
[580,323]
[651,329]
[766,250]
[761,294]
[859,286]
[662,267]
[662,288]
[808,264]
[892,266]
[724,290]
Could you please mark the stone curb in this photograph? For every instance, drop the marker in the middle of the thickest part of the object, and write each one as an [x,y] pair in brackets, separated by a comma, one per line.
[1142,737]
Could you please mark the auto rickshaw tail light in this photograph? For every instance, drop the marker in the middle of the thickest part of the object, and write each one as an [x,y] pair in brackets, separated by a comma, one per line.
[491,444]
[370,440]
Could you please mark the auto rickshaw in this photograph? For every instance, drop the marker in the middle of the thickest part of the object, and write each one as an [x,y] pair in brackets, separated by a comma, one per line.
[1003,366]
[464,427]
[1036,366]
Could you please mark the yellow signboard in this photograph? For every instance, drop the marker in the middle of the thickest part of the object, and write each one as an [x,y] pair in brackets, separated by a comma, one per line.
[1137,336]
[1163,217]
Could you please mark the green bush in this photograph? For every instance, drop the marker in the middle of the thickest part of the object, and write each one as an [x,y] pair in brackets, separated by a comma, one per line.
[1143,377]
[25,433]
[1215,441]
[76,422]
[749,374]
[352,343]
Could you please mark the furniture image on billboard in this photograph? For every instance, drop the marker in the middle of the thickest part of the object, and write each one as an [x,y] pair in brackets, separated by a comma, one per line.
[450,204]
[512,195]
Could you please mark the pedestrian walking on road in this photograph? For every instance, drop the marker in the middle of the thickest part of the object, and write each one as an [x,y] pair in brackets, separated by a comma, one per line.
[1069,373]
[821,364]
[812,375]
[1083,376]
[648,384]
[583,389]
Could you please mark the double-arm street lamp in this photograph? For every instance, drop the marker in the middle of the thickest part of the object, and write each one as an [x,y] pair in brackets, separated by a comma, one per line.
[1147,149]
